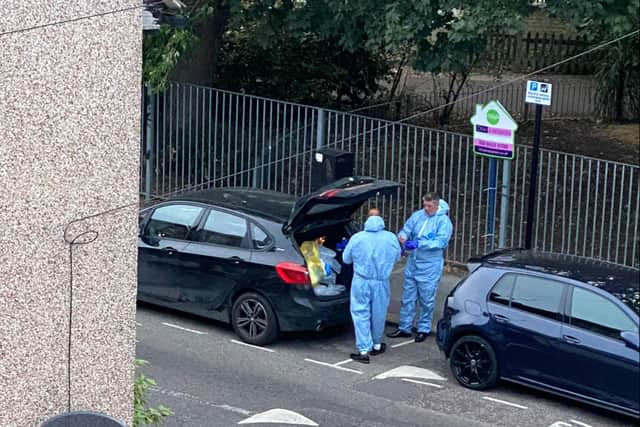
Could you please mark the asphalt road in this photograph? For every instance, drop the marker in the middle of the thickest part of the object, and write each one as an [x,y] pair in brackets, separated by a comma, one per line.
[209,379]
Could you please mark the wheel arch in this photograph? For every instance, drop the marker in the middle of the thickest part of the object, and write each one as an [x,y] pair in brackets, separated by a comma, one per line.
[464,331]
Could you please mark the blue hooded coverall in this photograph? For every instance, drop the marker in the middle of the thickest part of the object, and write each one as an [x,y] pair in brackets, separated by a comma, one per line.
[424,266]
[373,253]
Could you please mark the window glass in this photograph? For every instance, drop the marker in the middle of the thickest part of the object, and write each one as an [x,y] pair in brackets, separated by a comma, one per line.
[223,228]
[537,295]
[260,239]
[501,292]
[597,314]
[173,221]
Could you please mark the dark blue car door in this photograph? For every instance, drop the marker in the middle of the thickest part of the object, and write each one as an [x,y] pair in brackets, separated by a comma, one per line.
[595,362]
[161,246]
[525,313]
[217,261]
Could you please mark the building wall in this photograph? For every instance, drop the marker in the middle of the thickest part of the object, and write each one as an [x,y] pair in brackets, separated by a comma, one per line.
[69,144]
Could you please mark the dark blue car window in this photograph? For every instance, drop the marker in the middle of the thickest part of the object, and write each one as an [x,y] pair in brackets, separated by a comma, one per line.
[501,292]
[538,295]
[597,314]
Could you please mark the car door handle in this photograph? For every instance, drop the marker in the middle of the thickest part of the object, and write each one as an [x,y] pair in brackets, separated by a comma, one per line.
[169,250]
[570,339]
[501,319]
[235,259]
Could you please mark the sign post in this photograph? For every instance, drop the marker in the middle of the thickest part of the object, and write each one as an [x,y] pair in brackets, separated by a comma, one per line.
[538,93]
[493,137]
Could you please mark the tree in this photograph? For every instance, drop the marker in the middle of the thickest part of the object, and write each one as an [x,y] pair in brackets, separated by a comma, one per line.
[332,52]
[258,47]
[616,65]
[442,37]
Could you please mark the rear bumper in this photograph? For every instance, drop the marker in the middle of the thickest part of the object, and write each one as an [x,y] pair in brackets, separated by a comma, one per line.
[305,312]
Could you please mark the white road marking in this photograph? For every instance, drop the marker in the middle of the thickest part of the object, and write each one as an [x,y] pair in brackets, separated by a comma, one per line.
[333,366]
[409,380]
[565,424]
[504,402]
[187,396]
[193,331]
[403,343]
[580,423]
[253,346]
[138,324]
[279,416]
[411,372]
[344,362]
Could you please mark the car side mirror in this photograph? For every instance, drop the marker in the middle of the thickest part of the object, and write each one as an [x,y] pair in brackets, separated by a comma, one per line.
[150,240]
[631,339]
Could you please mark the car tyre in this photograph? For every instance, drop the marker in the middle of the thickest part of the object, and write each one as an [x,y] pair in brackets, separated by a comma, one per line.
[253,319]
[473,363]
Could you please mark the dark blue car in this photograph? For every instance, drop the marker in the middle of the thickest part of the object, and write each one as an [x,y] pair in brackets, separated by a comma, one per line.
[559,323]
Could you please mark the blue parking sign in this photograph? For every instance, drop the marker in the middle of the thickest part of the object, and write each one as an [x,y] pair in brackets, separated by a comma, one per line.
[533,86]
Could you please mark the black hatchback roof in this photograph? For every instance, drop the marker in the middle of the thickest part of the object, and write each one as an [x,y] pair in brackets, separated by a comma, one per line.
[621,281]
[263,203]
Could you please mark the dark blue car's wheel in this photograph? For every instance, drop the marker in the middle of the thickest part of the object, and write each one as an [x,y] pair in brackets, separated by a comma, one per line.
[253,319]
[473,362]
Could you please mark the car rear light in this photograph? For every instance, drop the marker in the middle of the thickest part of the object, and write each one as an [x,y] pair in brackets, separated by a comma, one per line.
[329,193]
[293,274]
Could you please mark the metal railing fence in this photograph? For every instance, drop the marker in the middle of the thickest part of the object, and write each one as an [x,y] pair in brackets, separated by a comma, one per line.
[570,101]
[201,138]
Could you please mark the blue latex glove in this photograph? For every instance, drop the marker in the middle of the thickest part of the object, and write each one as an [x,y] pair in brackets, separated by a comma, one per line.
[342,244]
[327,269]
[410,245]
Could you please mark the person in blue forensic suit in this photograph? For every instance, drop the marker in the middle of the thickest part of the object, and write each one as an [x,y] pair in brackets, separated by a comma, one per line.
[424,237]
[373,253]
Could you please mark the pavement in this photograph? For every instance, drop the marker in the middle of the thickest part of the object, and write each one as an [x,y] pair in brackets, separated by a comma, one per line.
[449,279]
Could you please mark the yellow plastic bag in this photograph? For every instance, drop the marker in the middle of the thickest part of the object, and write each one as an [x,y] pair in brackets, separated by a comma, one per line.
[311,254]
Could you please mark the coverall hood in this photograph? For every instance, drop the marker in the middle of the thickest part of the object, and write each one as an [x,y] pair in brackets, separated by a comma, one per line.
[443,208]
[374,223]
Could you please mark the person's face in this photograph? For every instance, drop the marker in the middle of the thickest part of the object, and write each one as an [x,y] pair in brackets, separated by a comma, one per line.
[374,212]
[430,207]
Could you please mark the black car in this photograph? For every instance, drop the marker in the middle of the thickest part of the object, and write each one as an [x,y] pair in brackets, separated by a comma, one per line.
[233,254]
[559,323]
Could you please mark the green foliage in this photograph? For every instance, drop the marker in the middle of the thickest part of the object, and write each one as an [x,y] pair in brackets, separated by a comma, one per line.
[330,52]
[616,65]
[442,37]
[163,50]
[143,414]
[305,70]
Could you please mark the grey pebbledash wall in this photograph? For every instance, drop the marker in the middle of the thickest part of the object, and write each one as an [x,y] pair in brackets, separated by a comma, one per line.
[69,145]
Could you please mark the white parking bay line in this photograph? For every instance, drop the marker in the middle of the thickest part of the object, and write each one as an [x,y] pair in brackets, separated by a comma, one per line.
[329,365]
[253,346]
[344,362]
[580,423]
[402,343]
[504,402]
[193,331]
[138,324]
[421,382]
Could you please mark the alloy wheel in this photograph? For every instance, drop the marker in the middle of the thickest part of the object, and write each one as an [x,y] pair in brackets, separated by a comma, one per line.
[252,318]
[472,363]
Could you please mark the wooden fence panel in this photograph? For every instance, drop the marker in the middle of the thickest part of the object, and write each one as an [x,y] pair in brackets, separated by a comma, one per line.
[527,52]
